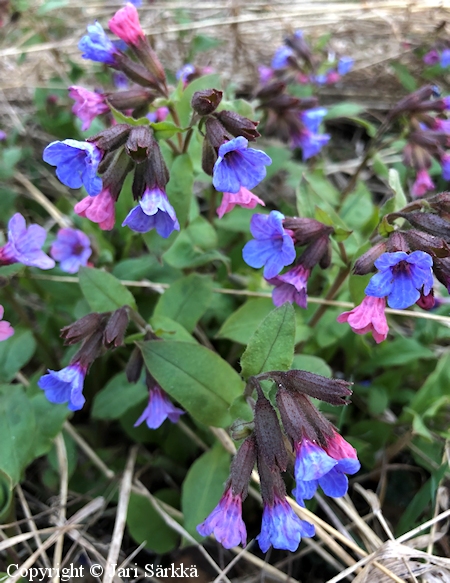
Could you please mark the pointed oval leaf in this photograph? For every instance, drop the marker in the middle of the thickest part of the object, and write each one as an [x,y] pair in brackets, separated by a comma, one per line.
[103,291]
[200,380]
[272,345]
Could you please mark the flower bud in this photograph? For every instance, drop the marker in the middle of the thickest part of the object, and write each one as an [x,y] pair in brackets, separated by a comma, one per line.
[242,466]
[209,157]
[333,391]
[420,241]
[111,138]
[134,366]
[206,101]
[317,252]
[426,302]
[136,72]
[238,125]
[441,269]
[131,99]
[115,328]
[365,263]
[89,350]
[216,133]
[306,230]
[271,90]
[411,102]
[440,202]
[139,143]
[268,434]
[158,174]
[115,175]
[397,242]
[82,328]
[430,223]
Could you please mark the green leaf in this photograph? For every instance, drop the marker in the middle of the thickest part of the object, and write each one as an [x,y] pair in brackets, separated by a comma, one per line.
[165,129]
[203,487]
[311,364]
[194,246]
[103,291]
[17,431]
[122,118]
[15,352]
[272,345]
[117,397]
[50,419]
[404,76]
[180,185]
[199,379]
[186,300]
[168,329]
[241,325]
[345,109]
[146,525]
[398,201]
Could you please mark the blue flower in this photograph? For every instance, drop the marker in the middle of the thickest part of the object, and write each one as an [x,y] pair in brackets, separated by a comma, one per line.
[272,246]
[291,287]
[445,165]
[72,248]
[238,165]
[96,46]
[185,72]
[76,164]
[445,58]
[401,278]
[281,527]
[312,118]
[225,521]
[65,385]
[281,57]
[316,466]
[310,143]
[345,65]
[153,212]
[159,408]
[24,245]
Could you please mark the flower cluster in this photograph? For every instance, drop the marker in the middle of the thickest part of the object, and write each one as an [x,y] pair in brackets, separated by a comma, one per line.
[273,246]
[437,55]
[406,263]
[296,61]
[428,135]
[322,458]
[293,120]
[95,331]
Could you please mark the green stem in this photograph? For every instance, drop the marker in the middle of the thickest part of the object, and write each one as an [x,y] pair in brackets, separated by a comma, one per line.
[335,287]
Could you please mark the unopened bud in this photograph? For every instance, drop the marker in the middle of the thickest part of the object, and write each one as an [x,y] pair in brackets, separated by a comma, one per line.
[115,175]
[441,269]
[316,251]
[365,263]
[116,328]
[139,143]
[206,101]
[209,157]
[268,434]
[158,174]
[149,59]
[238,125]
[305,230]
[410,102]
[89,350]
[426,302]
[111,138]
[431,223]
[420,241]
[242,467]
[397,242]
[131,99]
[216,133]
[333,391]
[135,71]
[82,328]
[134,366]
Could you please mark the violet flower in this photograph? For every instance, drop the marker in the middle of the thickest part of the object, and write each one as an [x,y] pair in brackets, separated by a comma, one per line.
[272,246]
[238,165]
[159,408]
[153,212]
[72,248]
[225,521]
[24,245]
[291,287]
[401,277]
[422,184]
[65,385]
[88,105]
[76,164]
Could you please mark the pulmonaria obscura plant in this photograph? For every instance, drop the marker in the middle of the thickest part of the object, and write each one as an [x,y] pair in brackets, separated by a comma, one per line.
[214,274]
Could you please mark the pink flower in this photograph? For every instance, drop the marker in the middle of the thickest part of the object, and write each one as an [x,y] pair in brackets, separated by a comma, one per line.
[422,184]
[87,105]
[125,24]
[369,316]
[6,330]
[339,449]
[98,209]
[243,198]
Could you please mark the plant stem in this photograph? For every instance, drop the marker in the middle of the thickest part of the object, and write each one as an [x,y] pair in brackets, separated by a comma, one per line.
[335,287]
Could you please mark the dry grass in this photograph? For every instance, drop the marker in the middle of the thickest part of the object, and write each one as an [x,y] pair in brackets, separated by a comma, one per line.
[357,547]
